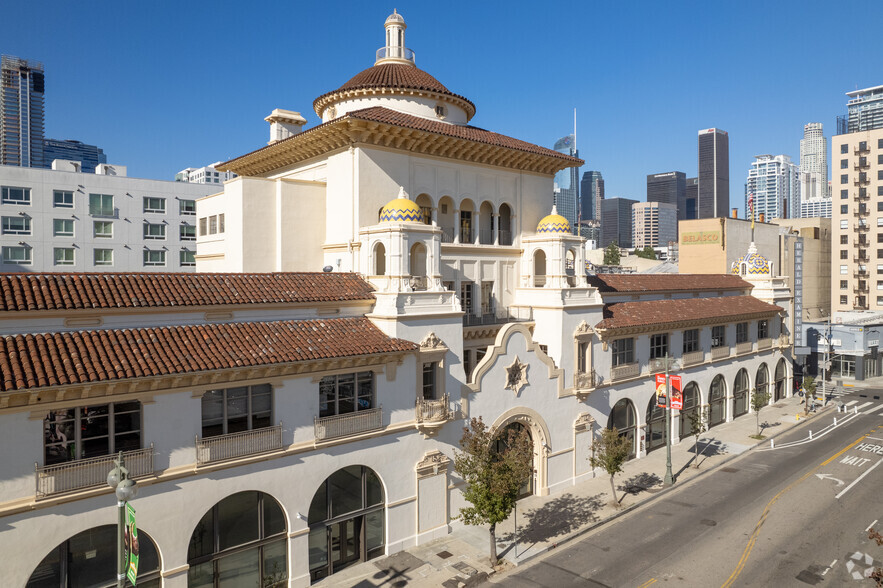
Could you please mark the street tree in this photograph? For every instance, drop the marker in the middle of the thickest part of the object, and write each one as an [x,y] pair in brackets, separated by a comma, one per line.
[877,573]
[698,424]
[809,386]
[759,399]
[609,452]
[494,467]
[611,254]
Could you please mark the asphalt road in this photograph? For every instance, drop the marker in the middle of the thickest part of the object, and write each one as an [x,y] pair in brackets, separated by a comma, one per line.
[793,516]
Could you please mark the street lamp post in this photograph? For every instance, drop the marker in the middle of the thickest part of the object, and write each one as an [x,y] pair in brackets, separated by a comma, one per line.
[118,479]
[669,363]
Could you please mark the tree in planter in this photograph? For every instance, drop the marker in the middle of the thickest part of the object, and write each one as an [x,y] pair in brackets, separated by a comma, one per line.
[609,452]
[492,477]
[758,401]
[698,425]
[611,254]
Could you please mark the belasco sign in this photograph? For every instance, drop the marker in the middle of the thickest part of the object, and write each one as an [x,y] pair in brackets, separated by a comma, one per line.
[701,238]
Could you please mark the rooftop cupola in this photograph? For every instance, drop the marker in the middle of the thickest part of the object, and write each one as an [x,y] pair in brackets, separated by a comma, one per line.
[395,50]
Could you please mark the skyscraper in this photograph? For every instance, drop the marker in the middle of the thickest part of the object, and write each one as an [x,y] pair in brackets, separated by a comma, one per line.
[864,111]
[669,188]
[566,196]
[88,155]
[21,112]
[692,197]
[616,222]
[774,184]
[714,174]
[813,163]
[654,224]
[590,195]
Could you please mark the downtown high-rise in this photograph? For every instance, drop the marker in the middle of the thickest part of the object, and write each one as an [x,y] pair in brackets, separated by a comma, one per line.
[591,194]
[566,187]
[21,112]
[669,188]
[813,163]
[713,199]
[774,185]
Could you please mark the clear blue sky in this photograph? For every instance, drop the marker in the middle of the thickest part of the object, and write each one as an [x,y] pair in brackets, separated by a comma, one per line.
[163,85]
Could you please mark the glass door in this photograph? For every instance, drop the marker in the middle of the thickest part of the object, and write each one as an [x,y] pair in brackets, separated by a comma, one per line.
[346,543]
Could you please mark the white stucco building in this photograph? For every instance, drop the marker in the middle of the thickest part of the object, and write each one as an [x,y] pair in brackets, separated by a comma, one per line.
[61,219]
[285,425]
[204,175]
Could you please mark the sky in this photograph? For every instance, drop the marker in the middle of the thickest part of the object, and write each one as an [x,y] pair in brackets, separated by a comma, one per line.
[165,85]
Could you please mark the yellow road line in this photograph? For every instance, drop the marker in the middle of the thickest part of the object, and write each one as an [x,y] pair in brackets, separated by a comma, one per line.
[766,511]
[647,583]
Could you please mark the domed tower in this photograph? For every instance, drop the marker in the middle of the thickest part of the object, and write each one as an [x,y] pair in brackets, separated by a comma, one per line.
[554,257]
[395,82]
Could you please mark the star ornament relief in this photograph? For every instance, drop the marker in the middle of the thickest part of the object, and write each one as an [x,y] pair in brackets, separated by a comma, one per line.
[516,376]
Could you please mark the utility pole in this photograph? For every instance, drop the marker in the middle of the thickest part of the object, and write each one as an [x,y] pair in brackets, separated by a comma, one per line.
[825,359]
[668,363]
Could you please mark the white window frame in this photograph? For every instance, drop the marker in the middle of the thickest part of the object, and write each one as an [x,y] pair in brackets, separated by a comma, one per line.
[154,231]
[184,237]
[98,205]
[9,222]
[25,259]
[100,252]
[151,201]
[66,259]
[9,195]
[62,233]
[104,224]
[187,253]
[187,207]
[154,258]
[60,197]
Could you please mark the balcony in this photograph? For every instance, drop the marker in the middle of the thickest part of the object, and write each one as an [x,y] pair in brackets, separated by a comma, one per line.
[402,53]
[629,370]
[489,317]
[344,425]
[860,273]
[861,181]
[861,149]
[241,444]
[862,228]
[860,289]
[764,343]
[692,358]
[720,352]
[486,237]
[81,474]
[743,347]
[860,244]
[431,414]
[447,235]
[99,212]
[466,235]
[861,259]
[862,196]
[657,365]
[585,381]
[860,212]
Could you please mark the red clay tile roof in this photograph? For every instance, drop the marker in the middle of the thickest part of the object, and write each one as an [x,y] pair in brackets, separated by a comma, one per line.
[622,283]
[468,132]
[79,357]
[394,75]
[662,312]
[67,291]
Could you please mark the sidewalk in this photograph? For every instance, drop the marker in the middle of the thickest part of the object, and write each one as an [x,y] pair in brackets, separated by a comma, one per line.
[546,522]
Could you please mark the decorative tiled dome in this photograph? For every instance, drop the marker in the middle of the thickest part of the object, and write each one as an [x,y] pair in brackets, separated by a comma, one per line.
[553,223]
[395,17]
[755,264]
[401,210]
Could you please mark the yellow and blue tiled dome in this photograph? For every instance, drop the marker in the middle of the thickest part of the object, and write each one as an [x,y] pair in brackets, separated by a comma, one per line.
[755,264]
[401,210]
[553,223]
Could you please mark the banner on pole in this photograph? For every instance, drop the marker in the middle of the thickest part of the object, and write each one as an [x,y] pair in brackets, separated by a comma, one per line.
[132,549]
[677,400]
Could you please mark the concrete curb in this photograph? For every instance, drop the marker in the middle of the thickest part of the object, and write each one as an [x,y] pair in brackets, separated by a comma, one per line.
[652,497]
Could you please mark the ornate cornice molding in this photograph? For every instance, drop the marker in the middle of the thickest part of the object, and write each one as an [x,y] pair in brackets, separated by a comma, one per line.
[607,334]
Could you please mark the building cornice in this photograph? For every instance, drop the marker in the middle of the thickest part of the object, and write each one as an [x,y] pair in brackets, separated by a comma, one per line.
[607,334]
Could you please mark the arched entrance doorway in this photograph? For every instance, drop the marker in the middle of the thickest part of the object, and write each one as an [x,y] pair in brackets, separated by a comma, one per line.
[781,377]
[624,418]
[717,401]
[89,559]
[691,406]
[655,425]
[529,485]
[346,521]
[242,541]
[740,394]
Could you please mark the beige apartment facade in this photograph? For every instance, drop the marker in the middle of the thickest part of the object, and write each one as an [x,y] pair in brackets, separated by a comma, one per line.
[857,221]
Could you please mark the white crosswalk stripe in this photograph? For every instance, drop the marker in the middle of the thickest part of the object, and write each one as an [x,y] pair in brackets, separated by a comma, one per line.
[863,406]
[851,403]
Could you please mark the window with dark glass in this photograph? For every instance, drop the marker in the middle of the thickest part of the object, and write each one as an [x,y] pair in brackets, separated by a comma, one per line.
[844,239]
[91,431]
[844,194]
[101,204]
[346,393]
[691,340]
[237,409]
[843,300]
[844,179]
[582,356]
[741,332]
[844,164]
[429,380]
[658,345]
[719,336]
[844,254]
[623,351]
[844,284]
[844,149]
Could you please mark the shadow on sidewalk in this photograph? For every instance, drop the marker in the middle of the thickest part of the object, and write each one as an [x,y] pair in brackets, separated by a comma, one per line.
[643,482]
[560,516]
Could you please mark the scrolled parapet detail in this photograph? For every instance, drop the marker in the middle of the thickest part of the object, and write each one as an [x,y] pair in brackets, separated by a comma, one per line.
[584,422]
[431,341]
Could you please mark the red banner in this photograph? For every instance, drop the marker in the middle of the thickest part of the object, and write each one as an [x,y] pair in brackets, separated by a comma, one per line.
[677,400]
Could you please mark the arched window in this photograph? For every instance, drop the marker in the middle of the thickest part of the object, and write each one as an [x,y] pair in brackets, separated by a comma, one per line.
[90,559]
[624,418]
[781,378]
[655,425]
[379,260]
[505,227]
[762,379]
[570,267]
[447,220]
[691,406]
[539,268]
[486,229]
[240,541]
[740,394]
[346,521]
[500,443]
[717,398]
[417,260]
[425,204]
